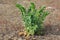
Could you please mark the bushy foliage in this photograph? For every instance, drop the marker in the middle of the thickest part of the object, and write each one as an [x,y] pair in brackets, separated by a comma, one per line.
[33,18]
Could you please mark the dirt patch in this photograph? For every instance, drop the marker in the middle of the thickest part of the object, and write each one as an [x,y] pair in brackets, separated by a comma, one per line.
[11,22]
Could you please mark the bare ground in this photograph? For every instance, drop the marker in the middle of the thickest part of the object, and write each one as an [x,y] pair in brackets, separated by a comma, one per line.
[11,21]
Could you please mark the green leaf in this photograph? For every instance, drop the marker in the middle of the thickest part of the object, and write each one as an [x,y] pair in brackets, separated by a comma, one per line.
[31,9]
[42,9]
[23,10]
[32,6]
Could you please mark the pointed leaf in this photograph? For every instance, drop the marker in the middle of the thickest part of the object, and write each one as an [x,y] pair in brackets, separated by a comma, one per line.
[23,10]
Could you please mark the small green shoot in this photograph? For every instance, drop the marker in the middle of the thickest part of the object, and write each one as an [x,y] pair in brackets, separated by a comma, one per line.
[33,18]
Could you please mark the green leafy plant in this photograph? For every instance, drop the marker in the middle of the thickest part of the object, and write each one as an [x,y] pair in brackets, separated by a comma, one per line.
[33,18]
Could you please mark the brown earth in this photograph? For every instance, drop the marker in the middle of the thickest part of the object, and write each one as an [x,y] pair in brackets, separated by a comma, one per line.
[11,21]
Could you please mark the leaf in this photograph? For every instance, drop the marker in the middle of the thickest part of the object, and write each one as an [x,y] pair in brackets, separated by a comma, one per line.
[31,9]
[23,10]
[42,9]
[32,6]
